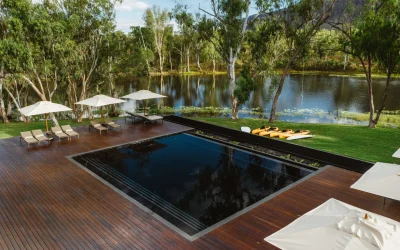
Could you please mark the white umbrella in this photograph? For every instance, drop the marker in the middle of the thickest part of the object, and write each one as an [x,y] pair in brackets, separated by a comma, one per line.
[382,179]
[43,107]
[100,101]
[143,95]
[318,229]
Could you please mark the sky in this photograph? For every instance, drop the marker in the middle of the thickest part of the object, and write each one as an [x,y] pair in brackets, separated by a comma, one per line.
[130,12]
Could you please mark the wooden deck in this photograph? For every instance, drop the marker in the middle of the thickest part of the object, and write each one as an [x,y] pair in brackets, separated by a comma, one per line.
[47,202]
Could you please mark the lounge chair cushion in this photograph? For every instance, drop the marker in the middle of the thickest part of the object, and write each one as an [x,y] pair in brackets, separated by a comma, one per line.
[154,117]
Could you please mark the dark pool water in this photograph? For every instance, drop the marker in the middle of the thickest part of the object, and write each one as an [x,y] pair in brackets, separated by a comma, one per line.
[189,181]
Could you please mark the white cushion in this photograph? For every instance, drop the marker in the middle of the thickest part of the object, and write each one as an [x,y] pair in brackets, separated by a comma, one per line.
[68,130]
[96,125]
[29,137]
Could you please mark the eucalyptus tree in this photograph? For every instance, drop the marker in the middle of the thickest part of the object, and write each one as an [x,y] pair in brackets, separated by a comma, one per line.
[88,22]
[143,55]
[169,44]
[226,29]
[210,54]
[156,20]
[14,53]
[187,31]
[299,21]
[374,38]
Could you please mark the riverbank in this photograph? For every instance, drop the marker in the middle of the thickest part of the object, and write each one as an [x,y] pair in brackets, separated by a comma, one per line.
[388,118]
[354,141]
[355,74]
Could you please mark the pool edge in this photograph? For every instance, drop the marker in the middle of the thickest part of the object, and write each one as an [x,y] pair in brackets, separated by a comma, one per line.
[167,223]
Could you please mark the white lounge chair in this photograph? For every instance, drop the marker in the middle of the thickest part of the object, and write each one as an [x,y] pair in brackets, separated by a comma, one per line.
[133,116]
[112,125]
[97,126]
[69,131]
[57,131]
[28,138]
[151,118]
[39,135]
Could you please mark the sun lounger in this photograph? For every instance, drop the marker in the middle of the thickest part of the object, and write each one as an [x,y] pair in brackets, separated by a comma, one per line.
[69,131]
[57,131]
[133,116]
[97,126]
[112,125]
[151,118]
[39,135]
[28,138]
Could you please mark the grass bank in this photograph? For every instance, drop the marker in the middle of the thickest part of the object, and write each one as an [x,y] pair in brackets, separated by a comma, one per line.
[14,128]
[354,141]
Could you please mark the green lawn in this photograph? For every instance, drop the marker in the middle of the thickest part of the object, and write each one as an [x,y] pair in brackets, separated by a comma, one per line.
[359,142]
[14,128]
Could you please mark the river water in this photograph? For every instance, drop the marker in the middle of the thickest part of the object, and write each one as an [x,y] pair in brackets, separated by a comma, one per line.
[305,98]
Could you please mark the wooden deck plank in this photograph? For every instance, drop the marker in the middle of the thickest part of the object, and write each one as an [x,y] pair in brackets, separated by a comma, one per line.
[47,202]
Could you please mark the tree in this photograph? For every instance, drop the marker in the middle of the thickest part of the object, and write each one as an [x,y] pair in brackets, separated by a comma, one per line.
[244,86]
[142,41]
[210,54]
[14,54]
[373,37]
[299,21]
[186,23]
[156,20]
[229,21]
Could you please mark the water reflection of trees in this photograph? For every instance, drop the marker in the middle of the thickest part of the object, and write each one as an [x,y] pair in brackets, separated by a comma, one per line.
[233,184]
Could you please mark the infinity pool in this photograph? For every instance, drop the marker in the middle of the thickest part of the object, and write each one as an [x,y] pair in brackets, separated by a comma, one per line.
[190,182]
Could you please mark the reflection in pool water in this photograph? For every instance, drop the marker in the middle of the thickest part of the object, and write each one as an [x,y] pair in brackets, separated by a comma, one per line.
[191,182]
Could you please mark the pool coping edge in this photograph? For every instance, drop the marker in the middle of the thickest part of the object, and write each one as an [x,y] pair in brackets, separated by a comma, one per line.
[167,223]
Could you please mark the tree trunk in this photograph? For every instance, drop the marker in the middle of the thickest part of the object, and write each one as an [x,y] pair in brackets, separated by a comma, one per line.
[232,83]
[272,116]
[198,61]
[368,75]
[2,106]
[81,98]
[170,61]
[9,106]
[187,60]
[385,95]
[161,62]
[213,64]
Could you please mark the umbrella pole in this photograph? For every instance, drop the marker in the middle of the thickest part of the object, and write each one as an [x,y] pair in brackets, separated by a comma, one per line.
[102,116]
[47,125]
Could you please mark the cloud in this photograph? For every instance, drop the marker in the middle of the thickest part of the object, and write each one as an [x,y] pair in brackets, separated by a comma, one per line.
[129,5]
[124,24]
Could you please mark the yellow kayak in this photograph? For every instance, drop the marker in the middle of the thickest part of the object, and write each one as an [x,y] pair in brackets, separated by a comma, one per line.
[297,132]
[269,131]
[258,130]
[277,133]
